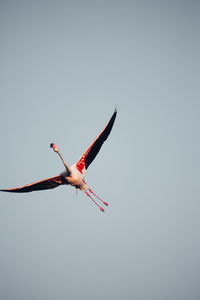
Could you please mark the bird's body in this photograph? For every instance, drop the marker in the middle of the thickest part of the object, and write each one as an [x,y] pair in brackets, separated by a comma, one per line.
[73,175]
[76,178]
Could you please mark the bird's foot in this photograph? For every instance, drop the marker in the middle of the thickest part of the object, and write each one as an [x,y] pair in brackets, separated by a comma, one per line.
[105,203]
[101,208]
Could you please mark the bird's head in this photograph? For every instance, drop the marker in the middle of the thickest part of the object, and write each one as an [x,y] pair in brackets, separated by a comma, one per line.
[55,148]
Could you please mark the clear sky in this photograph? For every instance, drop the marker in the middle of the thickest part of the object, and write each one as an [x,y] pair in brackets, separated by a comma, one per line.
[64,67]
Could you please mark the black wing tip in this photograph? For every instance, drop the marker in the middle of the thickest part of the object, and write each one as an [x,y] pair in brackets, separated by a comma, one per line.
[114,114]
[11,190]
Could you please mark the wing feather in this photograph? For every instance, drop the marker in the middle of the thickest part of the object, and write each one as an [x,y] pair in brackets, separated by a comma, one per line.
[45,184]
[90,154]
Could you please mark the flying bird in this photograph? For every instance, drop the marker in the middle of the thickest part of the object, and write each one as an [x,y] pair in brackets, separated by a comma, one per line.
[73,175]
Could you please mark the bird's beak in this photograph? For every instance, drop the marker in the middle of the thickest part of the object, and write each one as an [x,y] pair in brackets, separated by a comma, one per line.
[55,148]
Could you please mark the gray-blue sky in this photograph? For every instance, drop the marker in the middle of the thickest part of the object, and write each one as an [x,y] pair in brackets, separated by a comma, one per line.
[64,67]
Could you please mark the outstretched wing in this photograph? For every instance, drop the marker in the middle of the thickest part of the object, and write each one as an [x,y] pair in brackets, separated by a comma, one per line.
[45,184]
[90,154]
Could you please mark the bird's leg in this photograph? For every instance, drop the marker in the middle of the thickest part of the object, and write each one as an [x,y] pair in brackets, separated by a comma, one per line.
[105,203]
[101,208]
[55,148]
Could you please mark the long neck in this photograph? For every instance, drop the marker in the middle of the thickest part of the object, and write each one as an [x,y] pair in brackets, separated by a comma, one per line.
[66,166]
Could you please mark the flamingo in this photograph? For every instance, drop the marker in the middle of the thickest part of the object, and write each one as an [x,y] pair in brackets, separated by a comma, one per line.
[73,175]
